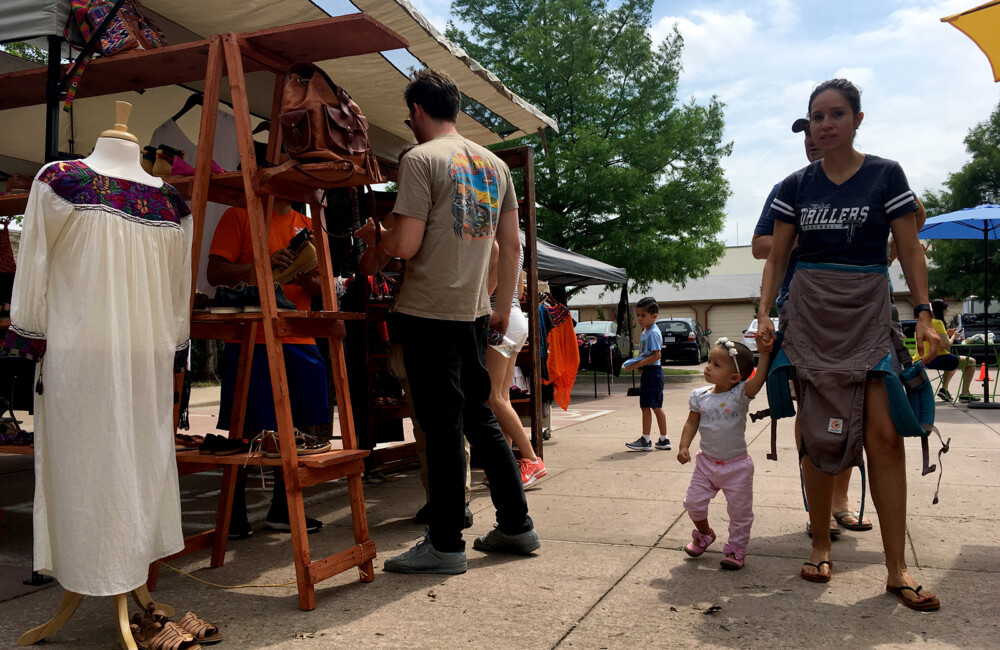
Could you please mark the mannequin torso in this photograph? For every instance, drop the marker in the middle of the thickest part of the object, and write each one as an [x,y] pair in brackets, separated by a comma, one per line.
[119,158]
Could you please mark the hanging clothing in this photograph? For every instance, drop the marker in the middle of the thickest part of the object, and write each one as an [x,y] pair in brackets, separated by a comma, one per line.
[226,153]
[562,354]
[102,289]
[7,266]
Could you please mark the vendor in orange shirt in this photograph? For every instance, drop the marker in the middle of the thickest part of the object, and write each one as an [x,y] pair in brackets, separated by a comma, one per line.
[230,263]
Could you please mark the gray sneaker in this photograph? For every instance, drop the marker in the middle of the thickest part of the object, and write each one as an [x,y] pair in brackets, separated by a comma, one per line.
[496,541]
[423,558]
[640,445]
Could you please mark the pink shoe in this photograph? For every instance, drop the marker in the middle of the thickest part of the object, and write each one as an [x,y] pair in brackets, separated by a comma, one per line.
[700,543]
[734,556]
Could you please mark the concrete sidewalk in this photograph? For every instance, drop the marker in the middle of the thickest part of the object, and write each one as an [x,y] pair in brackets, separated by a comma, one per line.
[611,572]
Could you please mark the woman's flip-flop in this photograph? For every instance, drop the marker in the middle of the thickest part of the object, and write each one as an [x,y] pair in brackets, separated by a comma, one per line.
[859,523]
[925,604]
[819,576]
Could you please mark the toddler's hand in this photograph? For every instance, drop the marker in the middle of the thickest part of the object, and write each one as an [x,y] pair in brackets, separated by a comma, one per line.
[683,456]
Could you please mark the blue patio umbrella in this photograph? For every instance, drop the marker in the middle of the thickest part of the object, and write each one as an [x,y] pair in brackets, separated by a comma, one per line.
[980,222]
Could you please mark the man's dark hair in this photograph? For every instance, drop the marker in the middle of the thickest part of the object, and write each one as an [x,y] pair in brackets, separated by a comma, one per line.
[436,93]
[649,304]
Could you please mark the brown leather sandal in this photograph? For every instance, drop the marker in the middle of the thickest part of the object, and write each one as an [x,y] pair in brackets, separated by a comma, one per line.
[152,635]
[203,631]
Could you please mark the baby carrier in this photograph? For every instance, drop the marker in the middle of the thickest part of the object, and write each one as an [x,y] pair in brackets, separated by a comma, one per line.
[836,381]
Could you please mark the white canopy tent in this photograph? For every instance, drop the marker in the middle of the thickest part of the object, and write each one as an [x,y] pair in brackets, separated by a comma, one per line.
[372,80]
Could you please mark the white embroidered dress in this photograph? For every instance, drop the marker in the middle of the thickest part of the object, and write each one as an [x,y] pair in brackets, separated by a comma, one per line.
[102,286]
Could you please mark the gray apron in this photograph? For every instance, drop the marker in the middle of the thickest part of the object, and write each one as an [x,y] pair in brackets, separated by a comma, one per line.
[838,330]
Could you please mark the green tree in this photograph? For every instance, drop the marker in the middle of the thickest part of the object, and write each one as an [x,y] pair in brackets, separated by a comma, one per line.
[957,269]
[25,51]
[633,177]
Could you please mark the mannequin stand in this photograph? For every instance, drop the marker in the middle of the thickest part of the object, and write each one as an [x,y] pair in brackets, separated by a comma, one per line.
[71,600]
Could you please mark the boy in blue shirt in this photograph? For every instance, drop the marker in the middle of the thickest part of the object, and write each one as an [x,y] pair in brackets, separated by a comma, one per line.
[651,382]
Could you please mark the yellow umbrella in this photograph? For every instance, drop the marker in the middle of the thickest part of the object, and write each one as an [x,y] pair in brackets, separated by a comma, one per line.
[982,25]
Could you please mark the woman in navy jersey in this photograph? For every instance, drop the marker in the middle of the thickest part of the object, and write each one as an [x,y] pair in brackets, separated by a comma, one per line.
[842,208]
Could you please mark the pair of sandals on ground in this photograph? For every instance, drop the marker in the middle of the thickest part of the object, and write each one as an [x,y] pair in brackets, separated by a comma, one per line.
[153,630]
[851,520]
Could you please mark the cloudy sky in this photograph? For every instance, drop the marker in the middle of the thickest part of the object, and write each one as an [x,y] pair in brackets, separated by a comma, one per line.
[924,83]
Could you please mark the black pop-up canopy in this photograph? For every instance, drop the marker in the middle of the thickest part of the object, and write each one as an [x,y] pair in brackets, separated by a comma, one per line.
[563,267]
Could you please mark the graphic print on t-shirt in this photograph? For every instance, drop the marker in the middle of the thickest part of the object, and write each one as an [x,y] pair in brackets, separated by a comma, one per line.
[820,216]
[476,202]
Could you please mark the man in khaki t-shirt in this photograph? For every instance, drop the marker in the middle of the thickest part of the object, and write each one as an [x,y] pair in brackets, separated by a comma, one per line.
[455,198]
[459,190]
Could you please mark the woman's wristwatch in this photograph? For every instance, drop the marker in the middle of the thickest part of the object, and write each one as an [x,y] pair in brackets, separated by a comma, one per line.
[921,307]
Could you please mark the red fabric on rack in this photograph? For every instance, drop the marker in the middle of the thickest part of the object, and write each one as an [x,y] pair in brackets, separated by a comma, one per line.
[7,264]
[563,358]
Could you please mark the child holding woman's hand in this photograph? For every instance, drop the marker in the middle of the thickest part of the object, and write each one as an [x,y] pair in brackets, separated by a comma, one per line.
[719,412]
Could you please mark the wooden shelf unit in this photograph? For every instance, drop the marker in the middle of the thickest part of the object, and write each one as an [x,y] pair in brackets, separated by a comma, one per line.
[276,50]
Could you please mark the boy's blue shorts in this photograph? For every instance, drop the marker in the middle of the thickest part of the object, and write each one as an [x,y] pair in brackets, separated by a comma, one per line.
[651,387]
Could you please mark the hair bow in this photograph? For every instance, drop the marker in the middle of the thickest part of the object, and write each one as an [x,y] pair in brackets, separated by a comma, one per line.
[729,345]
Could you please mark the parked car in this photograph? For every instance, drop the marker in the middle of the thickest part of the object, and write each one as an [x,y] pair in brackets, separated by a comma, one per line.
[683,338]
[596,338]
[969,325]
[750,336]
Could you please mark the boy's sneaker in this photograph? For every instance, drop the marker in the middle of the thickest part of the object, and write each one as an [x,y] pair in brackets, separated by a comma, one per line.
[640,445]
[944,395]
[531,470]
[496,541]
[663,444]
[424,558]
[965,399]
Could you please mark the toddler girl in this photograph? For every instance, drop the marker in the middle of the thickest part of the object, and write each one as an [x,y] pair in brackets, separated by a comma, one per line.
[719,412]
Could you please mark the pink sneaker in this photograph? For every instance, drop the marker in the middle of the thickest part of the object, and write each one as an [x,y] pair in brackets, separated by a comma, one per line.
[699,543]
[531,470]
[734,556]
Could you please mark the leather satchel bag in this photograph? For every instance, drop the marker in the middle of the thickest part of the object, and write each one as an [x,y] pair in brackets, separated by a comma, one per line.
[321,123]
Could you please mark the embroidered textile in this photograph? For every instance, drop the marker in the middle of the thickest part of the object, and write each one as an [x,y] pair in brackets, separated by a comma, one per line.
[78,184]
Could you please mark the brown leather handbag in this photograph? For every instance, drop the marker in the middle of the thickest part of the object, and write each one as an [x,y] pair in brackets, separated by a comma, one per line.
[320,122]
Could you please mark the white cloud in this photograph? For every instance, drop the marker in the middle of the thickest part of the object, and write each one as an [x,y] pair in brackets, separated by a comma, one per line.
[711,39]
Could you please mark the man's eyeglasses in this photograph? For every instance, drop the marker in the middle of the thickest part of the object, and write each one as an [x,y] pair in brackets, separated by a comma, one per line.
[406,123]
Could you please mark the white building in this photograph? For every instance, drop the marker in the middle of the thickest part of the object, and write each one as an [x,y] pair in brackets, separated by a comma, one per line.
[724,301]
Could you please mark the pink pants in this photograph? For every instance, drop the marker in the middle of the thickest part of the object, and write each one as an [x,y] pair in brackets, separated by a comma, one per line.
[734,477]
